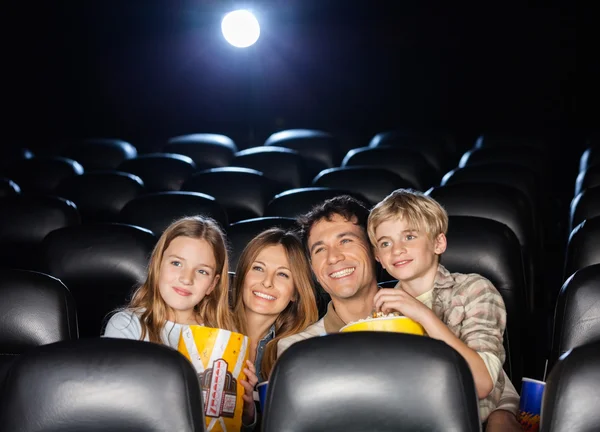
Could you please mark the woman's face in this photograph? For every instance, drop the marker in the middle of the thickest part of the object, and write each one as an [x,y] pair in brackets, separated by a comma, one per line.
[269,286]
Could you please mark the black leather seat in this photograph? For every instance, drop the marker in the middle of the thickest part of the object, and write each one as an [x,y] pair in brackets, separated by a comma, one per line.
[101,264]
[239,234]
[321,150]
[529,157]
[157,211]
[101,153]
[8,188]
[589,158]
[372,183]
[36,309]
[493,140]
[295,202]
[572,392]
[577,315]
[25,221]
[243,192]
[432,148]
[501,203]
[280,164]
[584,206]
[206,150]
[517,176]
[371,381]
[587,179]
[407,163]
[102,385]
[160,172]
[583,247]
[11,155]
[42,175]
[491,249]
[101,195]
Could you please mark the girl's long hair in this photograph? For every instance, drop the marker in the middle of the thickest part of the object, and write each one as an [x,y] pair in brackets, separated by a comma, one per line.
[213,310]
[299,313]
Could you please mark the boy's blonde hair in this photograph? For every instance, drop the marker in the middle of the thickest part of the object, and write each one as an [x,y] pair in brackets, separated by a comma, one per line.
[420,211]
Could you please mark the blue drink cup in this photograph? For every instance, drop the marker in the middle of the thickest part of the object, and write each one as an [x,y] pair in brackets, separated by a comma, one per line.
[530,406]
[262,394]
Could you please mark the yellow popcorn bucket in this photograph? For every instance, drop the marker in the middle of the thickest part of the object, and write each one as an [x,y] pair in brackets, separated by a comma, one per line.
[219,357]
[397,324]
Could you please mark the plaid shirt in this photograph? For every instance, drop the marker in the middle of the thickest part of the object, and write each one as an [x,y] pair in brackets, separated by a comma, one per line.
[474,311]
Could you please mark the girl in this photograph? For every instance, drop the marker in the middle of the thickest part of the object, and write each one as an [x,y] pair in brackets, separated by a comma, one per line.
[273,294]
[187,284]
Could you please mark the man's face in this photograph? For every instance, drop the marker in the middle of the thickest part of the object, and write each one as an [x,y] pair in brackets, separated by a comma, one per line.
[341,257]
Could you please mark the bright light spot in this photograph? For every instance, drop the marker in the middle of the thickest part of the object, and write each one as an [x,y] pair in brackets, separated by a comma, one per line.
[240,28]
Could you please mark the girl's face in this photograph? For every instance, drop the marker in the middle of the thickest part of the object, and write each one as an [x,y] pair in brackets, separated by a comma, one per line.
[187,274]
[269,286]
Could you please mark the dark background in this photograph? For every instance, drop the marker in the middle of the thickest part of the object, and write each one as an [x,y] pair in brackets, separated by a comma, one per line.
[145,70]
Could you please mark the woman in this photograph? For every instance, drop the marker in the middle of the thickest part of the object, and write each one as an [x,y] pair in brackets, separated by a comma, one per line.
[273,294]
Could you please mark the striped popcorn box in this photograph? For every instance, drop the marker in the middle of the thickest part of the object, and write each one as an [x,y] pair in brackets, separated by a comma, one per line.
[218,356]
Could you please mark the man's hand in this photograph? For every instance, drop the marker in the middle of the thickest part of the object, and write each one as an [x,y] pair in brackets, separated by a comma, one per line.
[248,396]
[389,300]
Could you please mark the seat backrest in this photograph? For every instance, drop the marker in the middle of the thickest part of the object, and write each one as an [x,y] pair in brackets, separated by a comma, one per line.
[589,158]
[280,164]
[570,401]
[407,163]
[489,248]
[321,150]
[101,153]
[493,140]
[9,155]
[160,172]
[582,248]
[102,385]
[584,206]
[8,188]
[295,202]
[42,175]
[36,309]
[587,179]
[243,192]
[25,221]
[101,264]
[206,150]
[158,210]
[239,234]
[577,314]
[372,183]
[321,384]
[101,195]
[532,158]
[517,176]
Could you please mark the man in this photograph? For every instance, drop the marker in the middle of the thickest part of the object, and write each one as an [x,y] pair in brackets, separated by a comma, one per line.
[337,245]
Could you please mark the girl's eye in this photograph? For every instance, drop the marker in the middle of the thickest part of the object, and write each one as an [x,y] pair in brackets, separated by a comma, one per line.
[176,263]
[204,272]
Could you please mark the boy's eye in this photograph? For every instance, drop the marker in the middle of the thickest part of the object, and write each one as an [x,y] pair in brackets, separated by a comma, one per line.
[384,244]
[411,237]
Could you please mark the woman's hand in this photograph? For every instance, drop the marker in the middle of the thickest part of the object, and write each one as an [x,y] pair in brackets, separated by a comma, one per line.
[248,396]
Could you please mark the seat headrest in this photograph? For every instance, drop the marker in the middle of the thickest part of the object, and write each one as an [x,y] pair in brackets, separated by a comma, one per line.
[160,171]
[577,316]
[101,153]
[582,249]
[374,381]
[36,309]
[572,392]
[103,385]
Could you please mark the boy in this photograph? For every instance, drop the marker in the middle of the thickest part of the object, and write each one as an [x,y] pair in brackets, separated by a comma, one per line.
[408,233]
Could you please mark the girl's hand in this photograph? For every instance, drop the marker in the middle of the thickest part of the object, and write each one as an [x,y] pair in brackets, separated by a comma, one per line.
[248,396]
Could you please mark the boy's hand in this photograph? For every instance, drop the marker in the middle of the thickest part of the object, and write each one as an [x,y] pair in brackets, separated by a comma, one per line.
[388,300]
[248,396]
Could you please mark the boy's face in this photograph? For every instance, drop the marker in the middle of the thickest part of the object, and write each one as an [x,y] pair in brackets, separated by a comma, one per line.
[406,252]
[341,257]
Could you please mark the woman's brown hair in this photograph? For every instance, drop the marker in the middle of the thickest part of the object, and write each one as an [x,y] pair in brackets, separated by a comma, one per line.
[299,313]
[213,310]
